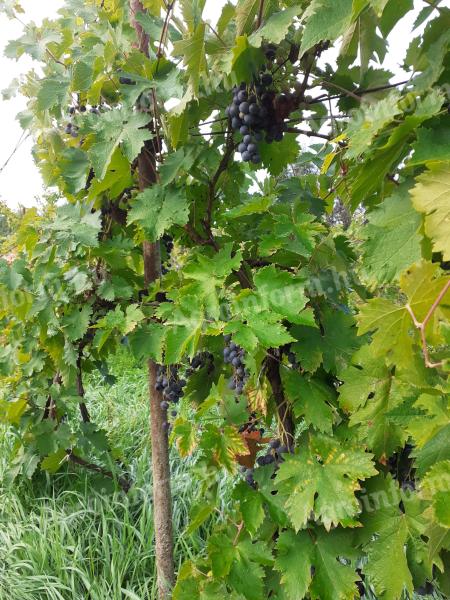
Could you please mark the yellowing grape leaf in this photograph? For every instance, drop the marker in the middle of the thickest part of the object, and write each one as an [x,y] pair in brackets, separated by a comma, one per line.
[431,196]
[392,324]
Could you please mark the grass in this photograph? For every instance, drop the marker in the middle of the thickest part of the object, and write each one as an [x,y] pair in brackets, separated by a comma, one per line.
[59,539]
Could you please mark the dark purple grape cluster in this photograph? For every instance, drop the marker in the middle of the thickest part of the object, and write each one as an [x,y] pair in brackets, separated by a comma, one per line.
[249,476]
[71,128]
[167,242]
[252,425]
[126,81]
[200,360]
[252,113]
[169,383]
[274,454]
[235,356]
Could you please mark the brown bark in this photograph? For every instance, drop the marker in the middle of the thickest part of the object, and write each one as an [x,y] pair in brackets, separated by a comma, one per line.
[162,498]
[80,389]
[286,424]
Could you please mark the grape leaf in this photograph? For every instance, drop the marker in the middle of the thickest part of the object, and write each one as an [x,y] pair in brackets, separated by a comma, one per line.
[245,15]
[323,477]
[280,292]
[334,346]
[392,238]
[112,128]
[309,561]
[250,505]
[431,196]
[74,165]
[276,157]
[431,145]
[436,487]
[276,26]
[157,208]
[391,323]
[325,20]
[311,398]
[368,121]
[52,91]
[76,323]
[388,566]
[193,51]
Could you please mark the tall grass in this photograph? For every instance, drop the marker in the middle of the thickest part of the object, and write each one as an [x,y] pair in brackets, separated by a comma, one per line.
[60,539]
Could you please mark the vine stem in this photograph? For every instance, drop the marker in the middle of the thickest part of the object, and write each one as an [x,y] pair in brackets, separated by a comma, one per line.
[77,460]
[324,136]
[421,326]
[260,14]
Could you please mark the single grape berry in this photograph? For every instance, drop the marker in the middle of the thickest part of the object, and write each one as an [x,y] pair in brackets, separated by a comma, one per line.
[246,156]
[244,107]
[236,123]
[242,147]
[278,136]
[267,79]
[242,96]
[244,129]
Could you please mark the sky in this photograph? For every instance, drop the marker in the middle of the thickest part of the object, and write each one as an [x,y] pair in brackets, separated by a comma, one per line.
[20,181]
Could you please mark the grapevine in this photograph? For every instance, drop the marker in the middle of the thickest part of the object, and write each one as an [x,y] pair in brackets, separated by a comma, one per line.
[255,207]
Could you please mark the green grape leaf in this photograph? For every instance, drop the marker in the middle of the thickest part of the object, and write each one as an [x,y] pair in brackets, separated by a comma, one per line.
[52,91]
[223,445]
[432,145]
[192,49]
[157,208]
[280,292]
[276,157]
[112,128]
[392,238]
[76,323]
[300,553]
[323,477]
[334,346]
[276,26]
[74,165]
[370,120]
[388,568]
[325,20]
[250,505]
[311,398]
[245,15]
